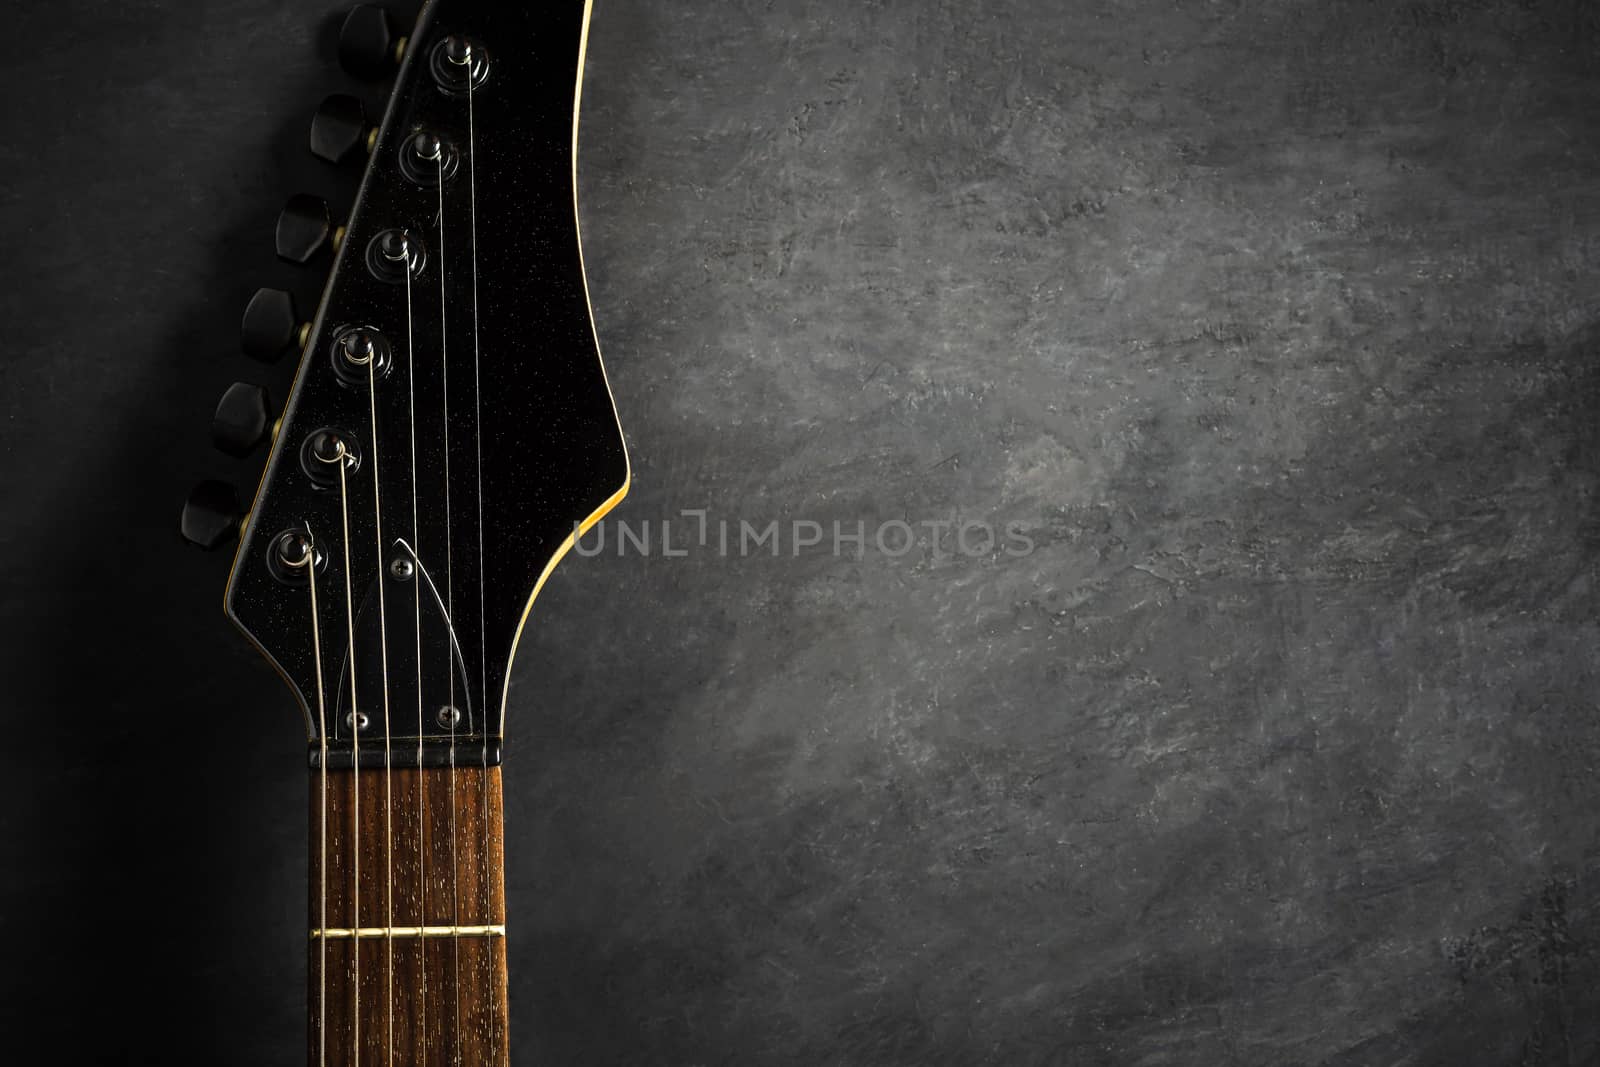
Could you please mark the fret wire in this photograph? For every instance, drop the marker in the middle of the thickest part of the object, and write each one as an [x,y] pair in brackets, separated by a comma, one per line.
[367,933]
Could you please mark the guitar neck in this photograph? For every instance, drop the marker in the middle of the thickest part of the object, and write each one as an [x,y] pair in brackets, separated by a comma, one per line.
[407,934]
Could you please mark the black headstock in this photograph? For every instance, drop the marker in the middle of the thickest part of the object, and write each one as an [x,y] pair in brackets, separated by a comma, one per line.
[450,427]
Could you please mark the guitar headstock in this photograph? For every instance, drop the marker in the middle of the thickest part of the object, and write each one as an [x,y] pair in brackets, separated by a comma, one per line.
[450,428]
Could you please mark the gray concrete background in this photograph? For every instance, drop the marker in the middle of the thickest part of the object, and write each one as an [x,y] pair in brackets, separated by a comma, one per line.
[1271,324]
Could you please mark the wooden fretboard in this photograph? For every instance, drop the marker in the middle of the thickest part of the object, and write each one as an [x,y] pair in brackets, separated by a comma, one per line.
[409,968]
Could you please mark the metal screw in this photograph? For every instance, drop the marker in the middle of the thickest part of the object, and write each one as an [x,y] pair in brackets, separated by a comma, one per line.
[356,720]
[402,569]
[449,717]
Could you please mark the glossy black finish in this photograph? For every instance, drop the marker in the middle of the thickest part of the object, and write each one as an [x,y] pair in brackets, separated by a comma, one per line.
[210,515]
[271,325]
[241,419]
[305,228]
[367,42]
[495,433]
[339,128]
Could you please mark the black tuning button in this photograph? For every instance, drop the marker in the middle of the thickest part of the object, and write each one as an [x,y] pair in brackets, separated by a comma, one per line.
[240,423]
[305,228]
[211,515]
[271,326]
[368,47]
[339,129]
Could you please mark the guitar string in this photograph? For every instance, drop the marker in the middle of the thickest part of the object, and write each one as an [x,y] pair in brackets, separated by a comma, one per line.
[383,646]
[416,590]
[355,752]
[322,866]
[483,632]
[451,713]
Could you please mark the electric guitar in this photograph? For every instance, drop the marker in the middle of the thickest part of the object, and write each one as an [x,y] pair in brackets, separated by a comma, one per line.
[450,432]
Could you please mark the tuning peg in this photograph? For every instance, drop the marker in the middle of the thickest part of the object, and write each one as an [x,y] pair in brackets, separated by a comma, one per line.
[271,326]
[241,419]
[339,129]
[305,228]
[211,515]
[368,47]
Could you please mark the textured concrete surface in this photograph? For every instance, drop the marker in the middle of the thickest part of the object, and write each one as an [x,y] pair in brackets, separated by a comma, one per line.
[1270,325]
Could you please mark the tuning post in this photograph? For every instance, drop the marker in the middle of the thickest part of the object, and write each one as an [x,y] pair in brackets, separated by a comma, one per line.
[291,556]
[392,252]
[359,348]
[361,355]
[427,145]
[322,454]
[426,157]
[459,62]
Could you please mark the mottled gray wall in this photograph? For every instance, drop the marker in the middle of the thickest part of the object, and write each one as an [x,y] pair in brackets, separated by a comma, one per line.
[1271,324]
